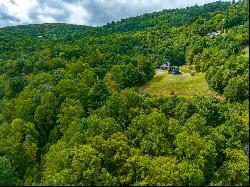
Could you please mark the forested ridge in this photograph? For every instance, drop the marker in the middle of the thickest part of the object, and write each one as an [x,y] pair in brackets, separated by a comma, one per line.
[71,112]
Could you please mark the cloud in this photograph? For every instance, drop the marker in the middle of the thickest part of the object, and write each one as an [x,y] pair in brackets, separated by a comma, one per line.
[42,11]
[82,12]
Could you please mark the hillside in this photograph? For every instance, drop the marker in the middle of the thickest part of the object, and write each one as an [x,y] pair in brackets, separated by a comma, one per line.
[53,31]
[171,18]
[83,106]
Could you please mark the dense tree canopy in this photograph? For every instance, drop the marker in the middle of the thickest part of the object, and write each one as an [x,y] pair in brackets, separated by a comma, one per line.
[71,112]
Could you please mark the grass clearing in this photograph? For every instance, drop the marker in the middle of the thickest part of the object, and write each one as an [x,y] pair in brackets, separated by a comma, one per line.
[181,85]
[246,52]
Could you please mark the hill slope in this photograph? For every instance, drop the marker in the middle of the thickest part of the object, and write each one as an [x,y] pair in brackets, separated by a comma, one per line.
[71,112]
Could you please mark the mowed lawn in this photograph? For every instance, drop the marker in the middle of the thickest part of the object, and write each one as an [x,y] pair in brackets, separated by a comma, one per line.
[180,85]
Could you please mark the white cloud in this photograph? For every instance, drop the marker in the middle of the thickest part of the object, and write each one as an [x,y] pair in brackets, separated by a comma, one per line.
[78,15]
[19,8]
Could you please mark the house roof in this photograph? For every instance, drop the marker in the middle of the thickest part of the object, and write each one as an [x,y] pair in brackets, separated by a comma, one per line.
[213,34]
[163,65]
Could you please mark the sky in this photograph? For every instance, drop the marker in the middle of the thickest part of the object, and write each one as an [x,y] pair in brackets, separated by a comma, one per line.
[82,12]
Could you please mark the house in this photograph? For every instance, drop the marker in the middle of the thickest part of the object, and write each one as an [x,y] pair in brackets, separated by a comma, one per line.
[165,66]
[171,69]
[211,34]
[174,70]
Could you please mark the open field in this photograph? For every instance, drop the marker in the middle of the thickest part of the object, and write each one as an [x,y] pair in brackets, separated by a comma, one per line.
[246,52]
[181,85]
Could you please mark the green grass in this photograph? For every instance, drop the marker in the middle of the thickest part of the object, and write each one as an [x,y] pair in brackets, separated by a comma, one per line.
[246,52]
[181,85]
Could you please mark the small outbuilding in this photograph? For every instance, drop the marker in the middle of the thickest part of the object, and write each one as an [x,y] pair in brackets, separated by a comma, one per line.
[193,73]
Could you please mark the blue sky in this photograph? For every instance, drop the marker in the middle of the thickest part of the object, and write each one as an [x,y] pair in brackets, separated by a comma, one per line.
[82,12]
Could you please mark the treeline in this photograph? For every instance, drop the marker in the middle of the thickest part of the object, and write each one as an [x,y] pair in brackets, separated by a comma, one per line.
[71,112]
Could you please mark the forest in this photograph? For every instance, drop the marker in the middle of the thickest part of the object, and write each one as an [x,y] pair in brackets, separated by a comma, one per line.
[71,112]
